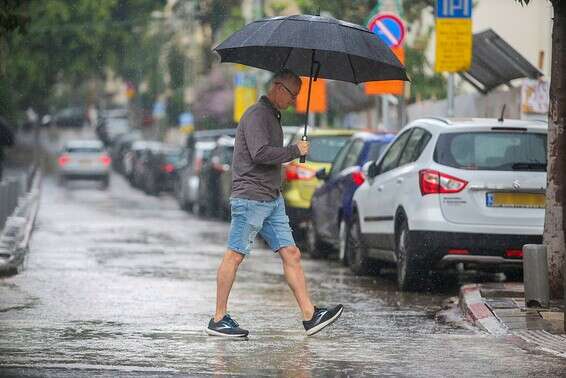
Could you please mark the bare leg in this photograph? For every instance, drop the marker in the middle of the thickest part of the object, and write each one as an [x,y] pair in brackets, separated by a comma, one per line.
[224,280]
[291,257]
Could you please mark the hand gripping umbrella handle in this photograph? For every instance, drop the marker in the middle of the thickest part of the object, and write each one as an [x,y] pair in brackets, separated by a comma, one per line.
[303,158]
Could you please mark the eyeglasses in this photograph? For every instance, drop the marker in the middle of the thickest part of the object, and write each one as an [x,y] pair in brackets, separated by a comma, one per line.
[293,96]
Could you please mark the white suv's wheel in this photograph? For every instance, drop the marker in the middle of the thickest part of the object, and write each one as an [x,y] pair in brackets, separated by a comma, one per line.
[411,271]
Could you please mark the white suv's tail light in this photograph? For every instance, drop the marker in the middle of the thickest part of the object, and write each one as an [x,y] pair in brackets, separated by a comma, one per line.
[434,182]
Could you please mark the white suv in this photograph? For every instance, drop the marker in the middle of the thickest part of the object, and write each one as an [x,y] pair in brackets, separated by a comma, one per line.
[451,191]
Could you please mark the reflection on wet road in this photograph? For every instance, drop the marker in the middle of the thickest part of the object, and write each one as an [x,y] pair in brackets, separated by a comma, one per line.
[120,283]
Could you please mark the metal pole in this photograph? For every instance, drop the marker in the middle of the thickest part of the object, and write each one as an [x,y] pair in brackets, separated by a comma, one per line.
[303,158]
[401,106]
[385,112]
[450,112]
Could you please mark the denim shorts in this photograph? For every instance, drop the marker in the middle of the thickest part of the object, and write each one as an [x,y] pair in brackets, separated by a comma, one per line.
[268,218]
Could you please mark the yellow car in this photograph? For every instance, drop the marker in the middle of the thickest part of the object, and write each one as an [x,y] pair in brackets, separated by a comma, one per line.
[299,180]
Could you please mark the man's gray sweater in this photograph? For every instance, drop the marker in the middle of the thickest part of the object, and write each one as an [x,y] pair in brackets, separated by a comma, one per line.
[259,153]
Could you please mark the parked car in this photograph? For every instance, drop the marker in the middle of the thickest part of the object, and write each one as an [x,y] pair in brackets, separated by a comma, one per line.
[120,148]
[289,133]
[216,180]
[300,182]
[70,117]
[446,192]
[331,204]
[84,160]
[140,154]
[199,146]
[160,168]
[111,126]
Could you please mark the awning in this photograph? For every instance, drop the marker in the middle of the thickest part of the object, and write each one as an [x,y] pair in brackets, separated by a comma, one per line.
[495,63]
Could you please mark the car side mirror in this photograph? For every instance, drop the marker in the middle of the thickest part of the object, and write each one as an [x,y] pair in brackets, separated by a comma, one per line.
[370,169]
[321,174]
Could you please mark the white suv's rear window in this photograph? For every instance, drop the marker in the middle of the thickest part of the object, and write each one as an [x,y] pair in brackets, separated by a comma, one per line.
[494,151]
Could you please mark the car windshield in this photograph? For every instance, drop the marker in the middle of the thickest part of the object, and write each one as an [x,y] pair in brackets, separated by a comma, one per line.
[173,157]
[493,151]
[323,149]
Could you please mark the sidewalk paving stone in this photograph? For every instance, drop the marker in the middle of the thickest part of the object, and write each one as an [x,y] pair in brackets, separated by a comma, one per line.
[499,309]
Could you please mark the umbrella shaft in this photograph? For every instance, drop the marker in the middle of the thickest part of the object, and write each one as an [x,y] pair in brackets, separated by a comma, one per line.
[309,95]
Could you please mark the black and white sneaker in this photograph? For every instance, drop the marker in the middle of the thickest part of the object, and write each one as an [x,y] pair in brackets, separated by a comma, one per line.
[321,318]
[225,327]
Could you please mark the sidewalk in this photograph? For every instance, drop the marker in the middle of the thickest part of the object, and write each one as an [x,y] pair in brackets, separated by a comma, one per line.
[499,309]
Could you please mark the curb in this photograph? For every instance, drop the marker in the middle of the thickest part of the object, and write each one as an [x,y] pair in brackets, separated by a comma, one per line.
[476,311]
[16,235]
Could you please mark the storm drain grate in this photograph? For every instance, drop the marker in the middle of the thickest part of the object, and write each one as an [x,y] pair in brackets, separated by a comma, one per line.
[549,342]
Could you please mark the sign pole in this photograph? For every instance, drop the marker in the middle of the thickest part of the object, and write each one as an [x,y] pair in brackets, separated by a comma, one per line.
[450,93]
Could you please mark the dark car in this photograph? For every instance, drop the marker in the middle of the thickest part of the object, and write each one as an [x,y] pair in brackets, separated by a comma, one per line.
[121,147]
[137,159]
[332,200]
[197,151]
[70,117]
[160,167]
[110,128]
[216,180]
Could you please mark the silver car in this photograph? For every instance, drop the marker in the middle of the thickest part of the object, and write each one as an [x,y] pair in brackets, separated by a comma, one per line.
[84,160]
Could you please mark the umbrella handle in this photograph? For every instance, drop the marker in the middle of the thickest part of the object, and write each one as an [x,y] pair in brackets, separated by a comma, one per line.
[303,158]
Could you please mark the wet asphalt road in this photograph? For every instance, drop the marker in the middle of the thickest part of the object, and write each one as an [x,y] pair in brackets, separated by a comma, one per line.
[118,283]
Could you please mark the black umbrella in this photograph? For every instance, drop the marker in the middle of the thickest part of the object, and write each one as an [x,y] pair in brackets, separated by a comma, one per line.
[313,46]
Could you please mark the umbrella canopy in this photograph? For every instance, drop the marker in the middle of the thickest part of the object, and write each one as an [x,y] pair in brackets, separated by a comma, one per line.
[340,50]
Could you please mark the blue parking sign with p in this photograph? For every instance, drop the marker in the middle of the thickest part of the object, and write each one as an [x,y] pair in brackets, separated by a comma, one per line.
[453,8]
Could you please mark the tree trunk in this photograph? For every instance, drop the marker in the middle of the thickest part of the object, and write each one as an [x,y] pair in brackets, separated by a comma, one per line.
[554,230]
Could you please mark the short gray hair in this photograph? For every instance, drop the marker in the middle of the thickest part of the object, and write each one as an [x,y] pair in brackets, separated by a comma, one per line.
[286,75]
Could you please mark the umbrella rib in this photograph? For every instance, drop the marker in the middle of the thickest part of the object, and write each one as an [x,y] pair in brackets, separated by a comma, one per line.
[353,70]
[286,58]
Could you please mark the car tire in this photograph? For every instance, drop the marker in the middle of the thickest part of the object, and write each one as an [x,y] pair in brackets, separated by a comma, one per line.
[357,251]
[343,254]
[513,275]
[411,270]
[315,247]
[151,186]
[62,181]
[105,183]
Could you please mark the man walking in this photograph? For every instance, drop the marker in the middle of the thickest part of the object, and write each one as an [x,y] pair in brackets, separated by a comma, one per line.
[257,206]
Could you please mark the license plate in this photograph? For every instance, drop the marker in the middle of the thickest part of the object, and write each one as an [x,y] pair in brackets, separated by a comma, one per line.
[84,162]
[515,200]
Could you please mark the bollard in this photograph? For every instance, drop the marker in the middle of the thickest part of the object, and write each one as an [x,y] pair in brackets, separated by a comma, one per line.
[535,273]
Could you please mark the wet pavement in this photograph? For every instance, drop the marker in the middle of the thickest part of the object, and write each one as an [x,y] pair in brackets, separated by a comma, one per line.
[118,283]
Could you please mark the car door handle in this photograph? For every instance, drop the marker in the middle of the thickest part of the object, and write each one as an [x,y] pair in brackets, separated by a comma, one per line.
[380,188]
[399,180]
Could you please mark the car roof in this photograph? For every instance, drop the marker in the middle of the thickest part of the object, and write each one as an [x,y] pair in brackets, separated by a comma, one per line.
[143,144]
[375,137]
[290,129]
[328,132]
[83,143]
[213,133]
[226,140]
[442,125]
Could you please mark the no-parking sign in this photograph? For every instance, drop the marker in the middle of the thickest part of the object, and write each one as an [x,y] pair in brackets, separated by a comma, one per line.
[389,27]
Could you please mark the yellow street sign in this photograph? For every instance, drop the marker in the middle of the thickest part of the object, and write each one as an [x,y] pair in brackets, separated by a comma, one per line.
[453,44]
